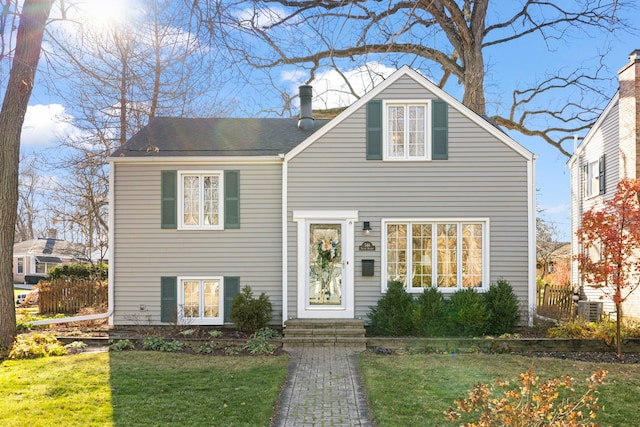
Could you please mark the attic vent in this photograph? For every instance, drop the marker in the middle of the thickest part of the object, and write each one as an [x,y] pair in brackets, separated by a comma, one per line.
[590,310]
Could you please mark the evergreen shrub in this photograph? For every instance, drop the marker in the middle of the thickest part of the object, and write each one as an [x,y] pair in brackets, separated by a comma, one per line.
[468,313]
[430,314]
[393,315]
[503,308]
[249,313]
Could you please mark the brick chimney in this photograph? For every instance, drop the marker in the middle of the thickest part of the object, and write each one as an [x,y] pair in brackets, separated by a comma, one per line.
[629,117]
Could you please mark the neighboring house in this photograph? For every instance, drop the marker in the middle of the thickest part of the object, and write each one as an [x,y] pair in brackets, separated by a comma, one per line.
[554,261]
[609,153]
[406,184]
[32,259]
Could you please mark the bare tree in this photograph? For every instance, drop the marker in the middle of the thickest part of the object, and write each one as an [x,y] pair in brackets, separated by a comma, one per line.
[443,38]
[124,75]
[32,214]
[32,19]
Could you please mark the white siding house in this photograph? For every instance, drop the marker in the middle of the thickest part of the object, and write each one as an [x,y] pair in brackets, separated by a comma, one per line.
[609,153]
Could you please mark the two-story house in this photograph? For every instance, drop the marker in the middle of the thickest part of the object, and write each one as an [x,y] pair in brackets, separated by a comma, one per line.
[609,152]
[406,184]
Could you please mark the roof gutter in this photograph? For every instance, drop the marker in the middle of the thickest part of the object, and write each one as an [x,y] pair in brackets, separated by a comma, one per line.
[110,300]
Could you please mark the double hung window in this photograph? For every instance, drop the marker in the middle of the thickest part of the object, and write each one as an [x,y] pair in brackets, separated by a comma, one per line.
[444,254]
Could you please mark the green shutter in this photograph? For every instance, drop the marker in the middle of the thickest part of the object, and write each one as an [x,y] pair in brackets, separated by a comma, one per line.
[231,289]
[232,199]
[374,130]
[439,129]
[601,182]
[169,299]
[169,204]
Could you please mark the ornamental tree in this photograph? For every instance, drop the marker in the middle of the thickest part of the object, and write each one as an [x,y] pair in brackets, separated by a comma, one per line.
[610,241]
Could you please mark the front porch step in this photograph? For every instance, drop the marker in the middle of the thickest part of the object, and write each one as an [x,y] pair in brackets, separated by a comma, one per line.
[324,333]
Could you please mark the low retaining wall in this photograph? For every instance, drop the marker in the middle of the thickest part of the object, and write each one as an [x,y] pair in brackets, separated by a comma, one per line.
[503,345]
[463,345]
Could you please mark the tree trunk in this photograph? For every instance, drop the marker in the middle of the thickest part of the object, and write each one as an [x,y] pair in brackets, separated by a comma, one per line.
[473,82]
[618,327]
[14,107]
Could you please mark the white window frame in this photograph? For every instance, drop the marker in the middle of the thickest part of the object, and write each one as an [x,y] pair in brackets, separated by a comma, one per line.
[427,130]
[20,265]
[219,320]
[592,179]
[201,226]
[484,222]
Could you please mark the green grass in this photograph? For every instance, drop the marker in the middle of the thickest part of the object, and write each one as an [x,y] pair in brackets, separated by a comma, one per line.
[140,389]
[408,390]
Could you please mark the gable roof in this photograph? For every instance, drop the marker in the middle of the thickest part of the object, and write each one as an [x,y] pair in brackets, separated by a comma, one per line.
[179,136]
[593,130]
[420,79]
[45,247]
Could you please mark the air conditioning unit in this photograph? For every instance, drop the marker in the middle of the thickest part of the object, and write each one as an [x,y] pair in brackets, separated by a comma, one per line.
[590,310]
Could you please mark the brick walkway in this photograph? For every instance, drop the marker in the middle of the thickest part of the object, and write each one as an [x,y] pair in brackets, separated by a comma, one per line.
[323,390]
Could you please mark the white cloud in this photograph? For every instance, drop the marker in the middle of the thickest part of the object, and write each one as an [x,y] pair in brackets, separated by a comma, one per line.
[45,125]
[330,88]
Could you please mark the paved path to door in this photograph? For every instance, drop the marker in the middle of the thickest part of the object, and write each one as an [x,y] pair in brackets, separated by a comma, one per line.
[323,389]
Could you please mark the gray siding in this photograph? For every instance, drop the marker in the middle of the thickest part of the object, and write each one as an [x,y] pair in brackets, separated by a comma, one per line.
[142,252]
[482,178]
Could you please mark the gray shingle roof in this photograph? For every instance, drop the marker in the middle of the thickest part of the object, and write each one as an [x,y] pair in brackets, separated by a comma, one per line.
[175,136]
[49,247]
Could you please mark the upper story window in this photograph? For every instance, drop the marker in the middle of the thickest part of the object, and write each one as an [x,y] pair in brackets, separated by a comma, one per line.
[407,133]
[200,200]
[594,178]
[446,254]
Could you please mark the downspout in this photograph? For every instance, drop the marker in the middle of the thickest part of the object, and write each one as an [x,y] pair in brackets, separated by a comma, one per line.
[110,290]
[532,238]
[285,267]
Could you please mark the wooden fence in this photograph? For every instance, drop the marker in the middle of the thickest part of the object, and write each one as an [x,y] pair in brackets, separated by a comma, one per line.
[70,295]
[556,302]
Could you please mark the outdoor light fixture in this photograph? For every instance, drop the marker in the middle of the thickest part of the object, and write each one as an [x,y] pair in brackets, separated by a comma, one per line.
[366,228]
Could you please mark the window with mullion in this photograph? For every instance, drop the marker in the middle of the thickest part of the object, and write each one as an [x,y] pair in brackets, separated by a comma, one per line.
[200,300]
[448,255]
[406,131]
[201,200]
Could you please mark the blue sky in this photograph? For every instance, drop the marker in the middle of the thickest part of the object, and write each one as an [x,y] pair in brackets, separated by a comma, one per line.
[518,63]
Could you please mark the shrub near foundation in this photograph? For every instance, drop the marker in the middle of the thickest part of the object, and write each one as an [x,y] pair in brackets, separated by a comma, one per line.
[251,314]
[503,308]
[465,313]
[394,313]
[431,314]
[468,313]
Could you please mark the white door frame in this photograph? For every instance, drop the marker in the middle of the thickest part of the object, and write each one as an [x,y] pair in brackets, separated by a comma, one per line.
[347,218]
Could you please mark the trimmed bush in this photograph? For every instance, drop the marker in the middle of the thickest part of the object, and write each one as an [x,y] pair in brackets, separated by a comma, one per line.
[430,316]
[251,314]
[503,307]
[393,315]
[468,313]
[85,271]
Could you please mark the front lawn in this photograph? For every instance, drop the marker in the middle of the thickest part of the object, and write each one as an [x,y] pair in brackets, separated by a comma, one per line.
[412,390]
[140,389]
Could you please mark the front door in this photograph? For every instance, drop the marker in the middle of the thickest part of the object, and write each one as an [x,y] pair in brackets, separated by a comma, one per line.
[325,266]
